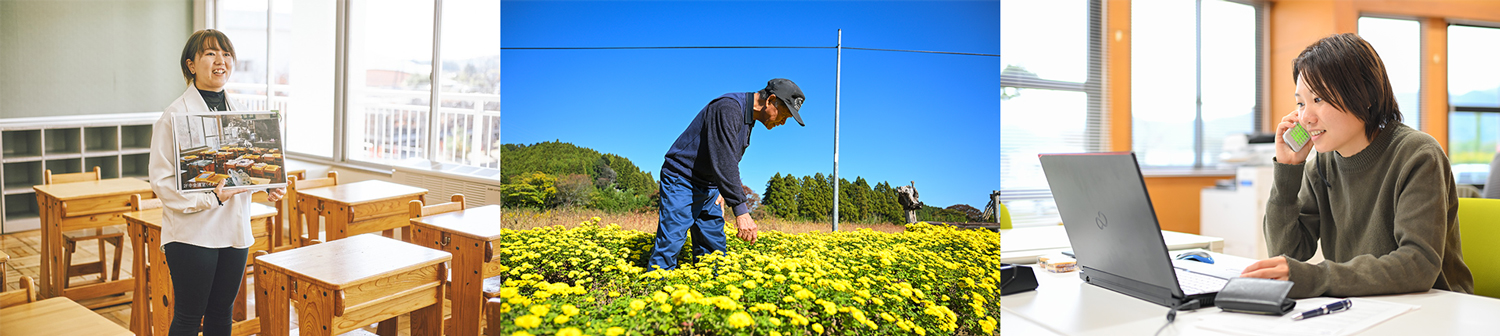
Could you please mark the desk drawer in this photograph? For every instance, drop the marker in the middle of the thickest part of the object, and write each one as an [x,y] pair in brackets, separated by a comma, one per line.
[92,221]
[97,205]
[258,227]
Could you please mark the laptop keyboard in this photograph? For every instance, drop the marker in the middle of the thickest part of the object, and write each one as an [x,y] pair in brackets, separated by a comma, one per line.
[1195,283]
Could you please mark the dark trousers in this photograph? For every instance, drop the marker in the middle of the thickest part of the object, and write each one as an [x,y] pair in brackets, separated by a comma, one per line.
[686,209]
[205,282]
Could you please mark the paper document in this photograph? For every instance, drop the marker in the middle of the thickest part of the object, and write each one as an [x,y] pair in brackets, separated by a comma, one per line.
[1364,314]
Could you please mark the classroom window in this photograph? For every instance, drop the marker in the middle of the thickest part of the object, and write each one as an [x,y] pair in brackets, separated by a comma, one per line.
[1195,79]
[1474,94]
[288,61]
[1051,99]
[1399,44]
[292,71]
[469,122]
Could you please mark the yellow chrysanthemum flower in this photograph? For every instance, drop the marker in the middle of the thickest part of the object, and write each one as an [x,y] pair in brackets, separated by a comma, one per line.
[528,321]
[740,320]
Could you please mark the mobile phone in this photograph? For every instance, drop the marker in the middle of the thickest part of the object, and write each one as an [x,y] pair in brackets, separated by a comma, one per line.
[1296,137]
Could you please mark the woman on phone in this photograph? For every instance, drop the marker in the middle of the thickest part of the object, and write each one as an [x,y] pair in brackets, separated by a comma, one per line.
[205,235]
[1379,198]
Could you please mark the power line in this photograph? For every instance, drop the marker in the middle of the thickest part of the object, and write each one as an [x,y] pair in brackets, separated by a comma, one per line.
[676,47]
[926,51]
[745,47]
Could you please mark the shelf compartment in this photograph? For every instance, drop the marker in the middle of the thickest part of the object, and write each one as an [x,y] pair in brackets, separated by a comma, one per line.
[109,166]
[135,165]
[22,144]
[65,166]
[135,137]
[61,141]
[21,176]
[20,206]
[101,139]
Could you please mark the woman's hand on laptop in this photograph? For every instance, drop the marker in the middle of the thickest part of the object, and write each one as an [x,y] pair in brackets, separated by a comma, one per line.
[1274,268]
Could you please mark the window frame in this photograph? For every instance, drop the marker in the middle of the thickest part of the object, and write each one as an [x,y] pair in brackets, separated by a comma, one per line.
[341,90]
[1258,112]
[1096,136]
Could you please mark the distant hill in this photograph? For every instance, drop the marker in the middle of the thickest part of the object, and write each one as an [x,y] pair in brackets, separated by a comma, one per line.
[605,172]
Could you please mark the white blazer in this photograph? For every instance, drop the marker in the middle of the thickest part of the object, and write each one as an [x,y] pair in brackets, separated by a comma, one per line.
[193,217]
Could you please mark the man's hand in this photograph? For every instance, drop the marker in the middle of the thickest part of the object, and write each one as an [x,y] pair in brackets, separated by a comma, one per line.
[274,195]
[747,227]
[719,200]
[1274,268]
[224,195]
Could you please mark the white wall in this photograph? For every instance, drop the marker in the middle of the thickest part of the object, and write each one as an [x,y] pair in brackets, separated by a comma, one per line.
[90,57]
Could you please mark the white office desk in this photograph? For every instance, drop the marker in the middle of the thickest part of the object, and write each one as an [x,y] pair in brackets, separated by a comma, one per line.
[1064,305]
[1024,245]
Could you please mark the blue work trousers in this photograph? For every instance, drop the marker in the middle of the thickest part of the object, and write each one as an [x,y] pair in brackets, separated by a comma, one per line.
[686,208]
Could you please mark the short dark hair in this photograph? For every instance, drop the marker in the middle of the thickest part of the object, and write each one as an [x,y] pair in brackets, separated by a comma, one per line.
[1345,70]
[197,43]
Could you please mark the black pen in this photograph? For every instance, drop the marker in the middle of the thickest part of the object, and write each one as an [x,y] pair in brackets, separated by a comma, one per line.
[1331,308]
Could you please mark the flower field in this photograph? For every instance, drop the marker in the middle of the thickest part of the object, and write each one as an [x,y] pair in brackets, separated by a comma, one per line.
[588,280]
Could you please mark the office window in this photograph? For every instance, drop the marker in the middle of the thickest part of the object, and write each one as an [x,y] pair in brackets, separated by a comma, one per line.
[1474,94]
[1194,79]
[1051,100]
[1399,44]
[292,71]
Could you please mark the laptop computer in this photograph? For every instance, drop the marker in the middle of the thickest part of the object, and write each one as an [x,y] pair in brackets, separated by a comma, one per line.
[1114,233]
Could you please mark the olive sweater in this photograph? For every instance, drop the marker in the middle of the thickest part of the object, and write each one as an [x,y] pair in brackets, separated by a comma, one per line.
[1386,219]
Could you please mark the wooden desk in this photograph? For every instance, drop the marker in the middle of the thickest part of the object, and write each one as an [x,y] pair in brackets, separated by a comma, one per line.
[57,316]
[470,235]
[4,258]
[150,314]
[81,205]
[357,208]
[1064,304]
[346,284]
[1024,245]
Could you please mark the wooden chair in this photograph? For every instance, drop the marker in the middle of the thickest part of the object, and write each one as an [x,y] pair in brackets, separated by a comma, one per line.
[296,222]
[26,294]
[456,203]
[492,321]
[109,234]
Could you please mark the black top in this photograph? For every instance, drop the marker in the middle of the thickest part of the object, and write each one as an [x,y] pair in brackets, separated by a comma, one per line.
[708,153]
[215,100]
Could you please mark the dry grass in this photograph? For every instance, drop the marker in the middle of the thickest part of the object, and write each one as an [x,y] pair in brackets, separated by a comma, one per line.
[523,219]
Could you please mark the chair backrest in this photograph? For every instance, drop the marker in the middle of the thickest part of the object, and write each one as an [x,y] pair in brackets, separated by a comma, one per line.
[138,204]
[1479,227]
[1004,217]
[25,294]
[456,203]
[49,178]
[331,180]
[298,224]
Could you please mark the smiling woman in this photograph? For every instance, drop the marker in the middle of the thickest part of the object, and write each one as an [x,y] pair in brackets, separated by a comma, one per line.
[206,236]
[1336,203]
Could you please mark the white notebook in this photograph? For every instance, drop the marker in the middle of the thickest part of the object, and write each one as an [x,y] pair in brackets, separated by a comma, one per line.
[1364,314]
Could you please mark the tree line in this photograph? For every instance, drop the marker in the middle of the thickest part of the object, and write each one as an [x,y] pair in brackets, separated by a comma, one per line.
[558,174]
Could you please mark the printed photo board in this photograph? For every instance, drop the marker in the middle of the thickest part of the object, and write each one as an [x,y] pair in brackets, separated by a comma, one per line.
[241,147]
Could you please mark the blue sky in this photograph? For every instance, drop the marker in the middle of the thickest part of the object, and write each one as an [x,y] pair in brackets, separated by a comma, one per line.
[929,118]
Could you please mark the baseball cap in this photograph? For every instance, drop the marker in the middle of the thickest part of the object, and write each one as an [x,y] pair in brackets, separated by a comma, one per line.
[790,94]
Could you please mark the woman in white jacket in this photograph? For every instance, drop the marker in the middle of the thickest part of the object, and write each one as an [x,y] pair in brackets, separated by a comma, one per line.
[206,235]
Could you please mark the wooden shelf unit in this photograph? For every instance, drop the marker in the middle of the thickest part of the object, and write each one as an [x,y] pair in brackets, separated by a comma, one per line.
[120,144]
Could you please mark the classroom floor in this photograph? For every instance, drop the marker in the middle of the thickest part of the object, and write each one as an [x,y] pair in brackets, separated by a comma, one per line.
[24,247]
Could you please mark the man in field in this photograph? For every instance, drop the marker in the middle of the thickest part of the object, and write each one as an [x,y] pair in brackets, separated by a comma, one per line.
[703,164]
